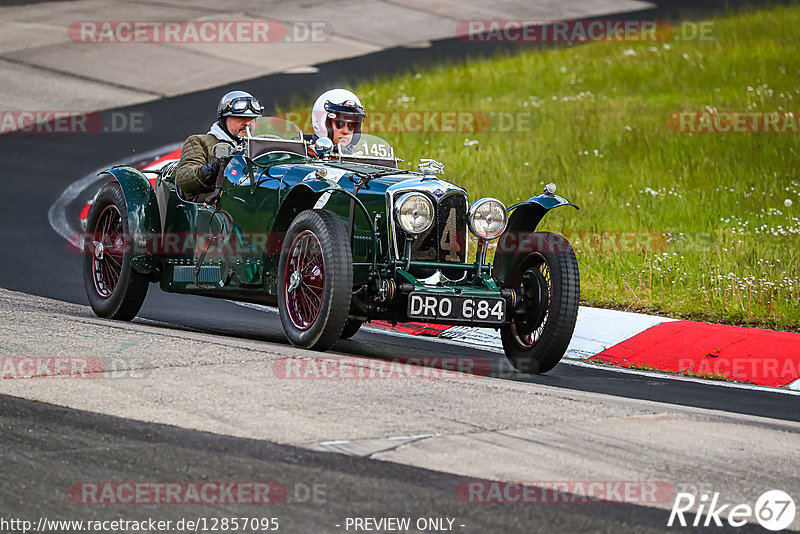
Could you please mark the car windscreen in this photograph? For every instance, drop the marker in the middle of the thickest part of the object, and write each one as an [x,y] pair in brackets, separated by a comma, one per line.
[273,134]
[367,148]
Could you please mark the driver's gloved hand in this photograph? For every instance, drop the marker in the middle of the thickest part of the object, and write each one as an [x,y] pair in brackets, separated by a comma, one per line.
[209,171]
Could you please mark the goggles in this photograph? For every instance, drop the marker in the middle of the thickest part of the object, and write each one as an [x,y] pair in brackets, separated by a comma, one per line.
[346,108]
[242,104]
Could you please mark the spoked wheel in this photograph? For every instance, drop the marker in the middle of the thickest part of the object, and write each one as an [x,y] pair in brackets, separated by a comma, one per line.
[304,280]
[108,249]
[316,277]
[114,289]
[549,279]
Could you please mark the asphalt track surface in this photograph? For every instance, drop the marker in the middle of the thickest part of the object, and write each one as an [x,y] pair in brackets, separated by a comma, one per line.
[102,447]
[36,168]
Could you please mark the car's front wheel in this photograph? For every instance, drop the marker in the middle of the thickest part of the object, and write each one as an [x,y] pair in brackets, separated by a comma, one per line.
[114,288]
[548,277]
[315,279]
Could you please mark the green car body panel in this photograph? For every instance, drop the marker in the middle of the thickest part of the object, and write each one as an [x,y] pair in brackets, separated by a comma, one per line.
[144,220]
[523,220]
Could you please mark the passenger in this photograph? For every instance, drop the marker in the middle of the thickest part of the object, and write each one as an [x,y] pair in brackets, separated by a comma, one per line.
[196,173]
[337,114]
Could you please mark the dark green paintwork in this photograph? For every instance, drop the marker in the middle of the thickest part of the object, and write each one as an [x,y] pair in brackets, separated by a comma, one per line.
[523,219]
[142,210]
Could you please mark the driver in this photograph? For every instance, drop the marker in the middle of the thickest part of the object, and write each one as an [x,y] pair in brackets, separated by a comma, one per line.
[337,114]
[196,173]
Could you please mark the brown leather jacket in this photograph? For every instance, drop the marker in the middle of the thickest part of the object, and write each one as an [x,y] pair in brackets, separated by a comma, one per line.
[196,153]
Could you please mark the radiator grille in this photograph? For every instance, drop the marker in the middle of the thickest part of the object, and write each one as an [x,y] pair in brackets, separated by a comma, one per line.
[446,240]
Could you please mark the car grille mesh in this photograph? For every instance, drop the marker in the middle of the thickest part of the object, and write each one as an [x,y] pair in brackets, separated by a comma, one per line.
[446,240]
[209,274]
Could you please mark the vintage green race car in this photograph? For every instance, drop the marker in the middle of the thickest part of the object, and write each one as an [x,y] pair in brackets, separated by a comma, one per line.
[334,242]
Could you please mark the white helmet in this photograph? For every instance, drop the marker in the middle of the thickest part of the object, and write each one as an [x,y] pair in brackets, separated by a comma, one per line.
[334,104]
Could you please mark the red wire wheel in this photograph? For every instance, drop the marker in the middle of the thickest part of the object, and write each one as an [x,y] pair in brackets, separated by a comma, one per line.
[315,280]
[304,280]
[107,250]
[114,288]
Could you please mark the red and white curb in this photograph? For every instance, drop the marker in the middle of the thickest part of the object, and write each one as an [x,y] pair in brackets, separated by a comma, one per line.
[647,344]
[596,330]
[723,352]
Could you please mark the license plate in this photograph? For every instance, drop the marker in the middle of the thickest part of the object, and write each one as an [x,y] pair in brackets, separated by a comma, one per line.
[451,308]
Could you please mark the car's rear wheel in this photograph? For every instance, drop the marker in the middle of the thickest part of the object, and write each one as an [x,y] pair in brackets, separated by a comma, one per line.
[315,278]
[549,278]
[114,288]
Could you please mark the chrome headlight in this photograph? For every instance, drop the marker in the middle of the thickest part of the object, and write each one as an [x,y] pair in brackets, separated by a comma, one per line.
[487,218]
[414,213]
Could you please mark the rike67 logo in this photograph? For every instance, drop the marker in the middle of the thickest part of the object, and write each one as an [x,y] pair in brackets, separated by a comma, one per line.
[774,510]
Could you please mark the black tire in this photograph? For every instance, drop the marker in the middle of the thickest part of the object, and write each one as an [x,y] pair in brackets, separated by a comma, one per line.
[350,328]
[314,312]
[553,265]
[114,289]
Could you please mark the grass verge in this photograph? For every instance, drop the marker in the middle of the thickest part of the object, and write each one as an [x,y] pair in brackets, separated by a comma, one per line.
[694,225]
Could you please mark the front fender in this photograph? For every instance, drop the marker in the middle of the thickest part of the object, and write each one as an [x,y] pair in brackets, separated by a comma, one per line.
[144,221]
[525,217]
[305,195]
[301,197]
